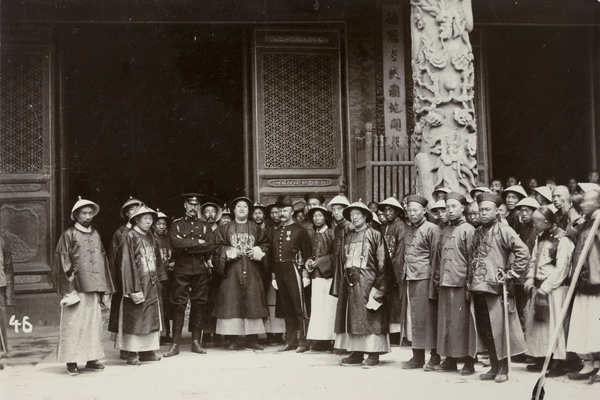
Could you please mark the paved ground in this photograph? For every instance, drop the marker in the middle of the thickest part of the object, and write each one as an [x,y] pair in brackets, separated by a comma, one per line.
[33,373]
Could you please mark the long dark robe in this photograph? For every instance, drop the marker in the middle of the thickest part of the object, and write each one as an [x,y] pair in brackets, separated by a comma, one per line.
[241,293]
[352,315]
[114,261]
[139,259]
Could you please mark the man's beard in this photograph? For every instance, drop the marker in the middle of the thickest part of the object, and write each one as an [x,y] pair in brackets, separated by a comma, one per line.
[210,220]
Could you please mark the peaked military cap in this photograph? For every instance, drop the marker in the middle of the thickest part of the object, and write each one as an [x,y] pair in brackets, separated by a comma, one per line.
[192,198]
[314,195]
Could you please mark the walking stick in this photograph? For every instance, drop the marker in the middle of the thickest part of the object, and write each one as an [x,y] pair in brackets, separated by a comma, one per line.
[501,278]
[538,390]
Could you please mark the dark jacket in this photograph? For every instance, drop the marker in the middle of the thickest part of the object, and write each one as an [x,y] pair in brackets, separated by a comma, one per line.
[139,260]
[456,243]
[494,246]
[394,233]
[191,246]
[322,247]
[81,264]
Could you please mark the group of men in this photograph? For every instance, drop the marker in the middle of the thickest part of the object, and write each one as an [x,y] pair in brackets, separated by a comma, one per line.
[343,279]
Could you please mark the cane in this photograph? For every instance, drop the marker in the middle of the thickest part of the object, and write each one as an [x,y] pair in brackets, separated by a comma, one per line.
[538,389]
[501,278]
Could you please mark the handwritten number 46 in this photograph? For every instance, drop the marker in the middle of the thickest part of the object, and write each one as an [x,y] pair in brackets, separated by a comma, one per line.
[27,327]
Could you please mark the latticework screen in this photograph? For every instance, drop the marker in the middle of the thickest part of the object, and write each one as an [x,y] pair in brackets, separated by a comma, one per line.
[21,108]
[298,111]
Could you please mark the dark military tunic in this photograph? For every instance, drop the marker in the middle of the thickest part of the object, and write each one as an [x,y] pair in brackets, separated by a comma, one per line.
[290,247]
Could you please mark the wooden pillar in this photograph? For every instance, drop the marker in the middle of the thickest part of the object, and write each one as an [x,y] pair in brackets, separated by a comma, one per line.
[445,136]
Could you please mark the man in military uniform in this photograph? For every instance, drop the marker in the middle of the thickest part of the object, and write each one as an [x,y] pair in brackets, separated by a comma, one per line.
[191,249]
[290,244]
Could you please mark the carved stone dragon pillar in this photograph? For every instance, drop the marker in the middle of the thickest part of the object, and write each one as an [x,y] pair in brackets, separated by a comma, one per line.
[445,136]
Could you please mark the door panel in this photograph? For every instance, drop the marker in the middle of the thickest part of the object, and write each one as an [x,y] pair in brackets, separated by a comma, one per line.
[26,162]
[297,104]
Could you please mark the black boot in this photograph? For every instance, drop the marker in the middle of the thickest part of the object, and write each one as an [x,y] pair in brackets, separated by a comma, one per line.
[469,367]
[178,318]
[252,343]
[238,343]
[371,361]
[502,375]
[148,356]
[434,359]
[491,374]
[196,345]
[557,368]
[133,359]
[355,358]
[449,365]
[417,360]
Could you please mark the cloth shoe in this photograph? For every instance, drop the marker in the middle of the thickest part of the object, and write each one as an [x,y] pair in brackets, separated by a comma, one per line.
[502,375]
[587,372]
[255,346]
[149,356]
[449,365]
[491,374]
[287,347]
[252,343]
[72,369]
[417,360]
[537,367]
[355,358]
[94,365]
[469,367]
[434,360]
[133,359]
[173,350]
[558,368]
[372,361]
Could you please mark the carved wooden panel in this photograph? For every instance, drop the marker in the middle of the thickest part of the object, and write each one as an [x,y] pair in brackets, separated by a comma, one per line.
[26,160]
[298,111]
[298,138]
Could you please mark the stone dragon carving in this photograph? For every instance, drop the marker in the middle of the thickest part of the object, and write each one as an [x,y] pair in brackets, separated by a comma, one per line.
[445,135]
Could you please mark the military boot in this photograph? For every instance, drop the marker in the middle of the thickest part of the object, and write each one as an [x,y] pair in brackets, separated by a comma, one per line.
[196,345]
[178,318]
